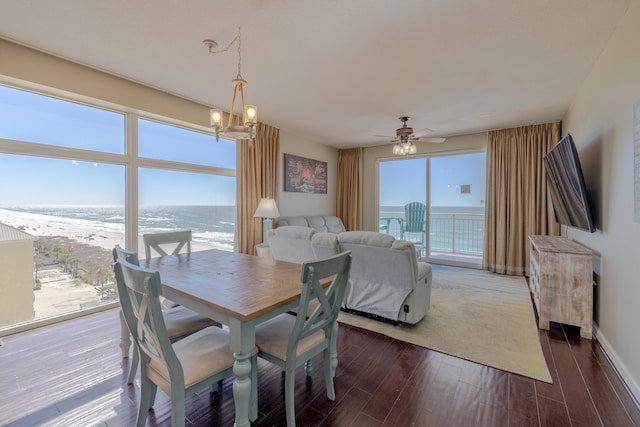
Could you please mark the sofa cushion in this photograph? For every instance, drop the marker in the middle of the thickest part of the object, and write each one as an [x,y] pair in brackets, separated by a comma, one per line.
[368,238]
[321,223]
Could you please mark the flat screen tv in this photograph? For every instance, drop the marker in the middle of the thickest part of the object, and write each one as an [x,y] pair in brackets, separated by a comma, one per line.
[565,182]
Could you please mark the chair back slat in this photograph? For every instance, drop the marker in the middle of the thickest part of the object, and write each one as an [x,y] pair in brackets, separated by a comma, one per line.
[156,241]
[314,273]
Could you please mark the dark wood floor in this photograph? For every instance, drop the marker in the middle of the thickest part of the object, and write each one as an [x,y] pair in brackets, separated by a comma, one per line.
[71,374]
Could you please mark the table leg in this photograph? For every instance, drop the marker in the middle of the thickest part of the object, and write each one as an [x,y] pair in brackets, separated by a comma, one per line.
[242,343]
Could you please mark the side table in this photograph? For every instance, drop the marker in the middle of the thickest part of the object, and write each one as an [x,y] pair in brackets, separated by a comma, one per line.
[263,251]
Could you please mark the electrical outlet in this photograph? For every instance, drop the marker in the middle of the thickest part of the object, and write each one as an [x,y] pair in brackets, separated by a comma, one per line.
[406,308]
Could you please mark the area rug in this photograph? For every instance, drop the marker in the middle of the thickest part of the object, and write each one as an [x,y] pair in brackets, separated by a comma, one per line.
[475,315]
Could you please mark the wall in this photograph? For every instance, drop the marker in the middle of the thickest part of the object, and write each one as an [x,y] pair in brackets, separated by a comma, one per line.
[16,282]
[23,66]
[295,204]
[453,145]
[600,120]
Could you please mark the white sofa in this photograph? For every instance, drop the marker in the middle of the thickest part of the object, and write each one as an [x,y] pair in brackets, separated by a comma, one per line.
[386,279]
[322,223]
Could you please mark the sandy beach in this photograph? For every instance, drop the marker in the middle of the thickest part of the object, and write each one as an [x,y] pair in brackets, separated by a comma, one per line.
[59,291]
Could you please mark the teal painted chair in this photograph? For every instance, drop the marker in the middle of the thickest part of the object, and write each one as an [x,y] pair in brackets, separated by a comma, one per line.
[179,368]
[289,341]
[158,242]
[414,228]
[179,321]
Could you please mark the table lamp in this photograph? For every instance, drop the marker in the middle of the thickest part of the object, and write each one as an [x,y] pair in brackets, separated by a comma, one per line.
[267,209]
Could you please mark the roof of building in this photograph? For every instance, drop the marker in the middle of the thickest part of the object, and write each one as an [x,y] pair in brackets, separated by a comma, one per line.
[10,234]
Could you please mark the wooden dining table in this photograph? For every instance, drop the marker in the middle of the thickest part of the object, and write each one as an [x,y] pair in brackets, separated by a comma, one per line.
[236,290]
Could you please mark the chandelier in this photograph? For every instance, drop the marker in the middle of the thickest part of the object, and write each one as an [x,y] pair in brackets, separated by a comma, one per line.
[244,127]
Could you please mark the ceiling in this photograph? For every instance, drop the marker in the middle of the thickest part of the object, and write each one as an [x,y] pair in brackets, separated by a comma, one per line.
[340,72]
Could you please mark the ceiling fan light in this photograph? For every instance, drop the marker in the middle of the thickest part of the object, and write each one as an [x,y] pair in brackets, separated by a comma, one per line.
[412,149]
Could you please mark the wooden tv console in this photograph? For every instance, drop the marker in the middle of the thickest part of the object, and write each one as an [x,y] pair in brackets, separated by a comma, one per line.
[561,281]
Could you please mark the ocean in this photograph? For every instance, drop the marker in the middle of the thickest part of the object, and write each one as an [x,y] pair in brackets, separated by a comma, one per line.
[213,225]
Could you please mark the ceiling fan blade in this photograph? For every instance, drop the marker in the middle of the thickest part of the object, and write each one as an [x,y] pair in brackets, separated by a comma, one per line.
[422,132]
[432,139]
[384,136]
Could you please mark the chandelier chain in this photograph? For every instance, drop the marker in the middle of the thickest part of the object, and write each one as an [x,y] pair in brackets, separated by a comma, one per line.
[239,38]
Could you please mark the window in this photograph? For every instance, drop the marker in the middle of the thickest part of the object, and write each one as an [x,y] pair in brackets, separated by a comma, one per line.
[30,117]
[436,202]
[166,142]
[204,204]
[65,179]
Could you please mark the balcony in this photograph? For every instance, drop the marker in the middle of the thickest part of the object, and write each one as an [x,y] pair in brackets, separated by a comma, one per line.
[455,237]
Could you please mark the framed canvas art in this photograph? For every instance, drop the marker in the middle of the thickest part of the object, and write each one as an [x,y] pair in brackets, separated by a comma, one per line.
[302,175]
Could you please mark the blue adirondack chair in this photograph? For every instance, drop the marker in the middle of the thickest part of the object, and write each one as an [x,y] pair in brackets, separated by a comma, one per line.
[414,229]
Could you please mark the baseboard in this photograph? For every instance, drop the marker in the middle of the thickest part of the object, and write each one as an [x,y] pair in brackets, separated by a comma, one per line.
[618,366]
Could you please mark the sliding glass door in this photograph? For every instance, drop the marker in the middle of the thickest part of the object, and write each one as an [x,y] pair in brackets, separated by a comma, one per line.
[457,208]
[436,202]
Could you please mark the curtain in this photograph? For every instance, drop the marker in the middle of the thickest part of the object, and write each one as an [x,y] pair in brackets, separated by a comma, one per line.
[257,177]
[517,201]
[348,191]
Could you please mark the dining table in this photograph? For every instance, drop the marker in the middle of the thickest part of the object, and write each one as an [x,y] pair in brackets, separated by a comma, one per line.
[236,290]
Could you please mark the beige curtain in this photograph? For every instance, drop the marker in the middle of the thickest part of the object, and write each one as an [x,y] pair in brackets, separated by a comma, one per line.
[517,200]
[257,177]
[348,191]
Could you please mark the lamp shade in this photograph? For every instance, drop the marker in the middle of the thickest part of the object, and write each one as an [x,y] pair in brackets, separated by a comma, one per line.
[267,208]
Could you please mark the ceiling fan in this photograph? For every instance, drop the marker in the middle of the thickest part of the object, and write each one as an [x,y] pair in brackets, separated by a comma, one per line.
[405,137]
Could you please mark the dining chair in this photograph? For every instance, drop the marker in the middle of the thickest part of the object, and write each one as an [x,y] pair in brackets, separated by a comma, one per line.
[158,241]
[179,321]
[289,341]
[178,368]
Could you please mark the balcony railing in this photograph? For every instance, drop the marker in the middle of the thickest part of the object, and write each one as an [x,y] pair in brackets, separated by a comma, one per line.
[449,233]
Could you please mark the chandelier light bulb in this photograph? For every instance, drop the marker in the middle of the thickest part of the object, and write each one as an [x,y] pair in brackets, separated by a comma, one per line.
[216,118]
[251,115]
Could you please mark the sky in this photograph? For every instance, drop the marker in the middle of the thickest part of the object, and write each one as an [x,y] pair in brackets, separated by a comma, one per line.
[30,180]
[405,180]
